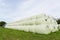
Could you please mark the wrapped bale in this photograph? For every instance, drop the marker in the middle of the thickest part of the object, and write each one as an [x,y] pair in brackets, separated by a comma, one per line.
[42,24]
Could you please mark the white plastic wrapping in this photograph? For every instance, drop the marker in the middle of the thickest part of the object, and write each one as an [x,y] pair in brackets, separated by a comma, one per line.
[37,24]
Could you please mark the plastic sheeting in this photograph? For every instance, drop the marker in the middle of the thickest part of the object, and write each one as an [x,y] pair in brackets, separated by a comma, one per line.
[37,24]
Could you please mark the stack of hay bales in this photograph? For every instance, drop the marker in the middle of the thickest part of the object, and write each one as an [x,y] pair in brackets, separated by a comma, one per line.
[42,24]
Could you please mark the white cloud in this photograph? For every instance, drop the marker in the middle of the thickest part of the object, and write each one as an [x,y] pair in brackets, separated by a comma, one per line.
[45,7]
[28,8]
[32,7]
[3,4]
[0,0]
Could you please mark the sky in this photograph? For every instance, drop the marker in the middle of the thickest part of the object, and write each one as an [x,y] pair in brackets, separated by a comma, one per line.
[13,10]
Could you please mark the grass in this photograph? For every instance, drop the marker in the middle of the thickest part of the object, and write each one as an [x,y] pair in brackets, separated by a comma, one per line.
[10,34]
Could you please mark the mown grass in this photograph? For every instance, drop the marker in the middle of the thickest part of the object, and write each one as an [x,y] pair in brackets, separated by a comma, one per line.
[10,34]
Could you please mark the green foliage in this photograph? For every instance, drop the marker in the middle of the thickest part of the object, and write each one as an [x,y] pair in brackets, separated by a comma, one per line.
[58,21]
[2,23]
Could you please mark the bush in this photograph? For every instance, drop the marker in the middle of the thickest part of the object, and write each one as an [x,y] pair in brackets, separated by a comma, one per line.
[2,24]
[58,21]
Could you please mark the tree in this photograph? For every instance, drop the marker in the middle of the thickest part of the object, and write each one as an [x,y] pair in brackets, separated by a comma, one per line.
[58,21]
[2,24]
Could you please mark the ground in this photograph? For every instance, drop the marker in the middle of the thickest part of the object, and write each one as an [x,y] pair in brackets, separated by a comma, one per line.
[10,34]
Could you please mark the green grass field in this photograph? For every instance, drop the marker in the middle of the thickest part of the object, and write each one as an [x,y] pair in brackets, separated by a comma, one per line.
[10,34]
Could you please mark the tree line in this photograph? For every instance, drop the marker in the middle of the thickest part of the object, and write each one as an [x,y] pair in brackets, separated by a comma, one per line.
[2,24]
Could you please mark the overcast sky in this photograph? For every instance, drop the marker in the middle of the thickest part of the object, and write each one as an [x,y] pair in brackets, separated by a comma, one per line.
[12,10]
